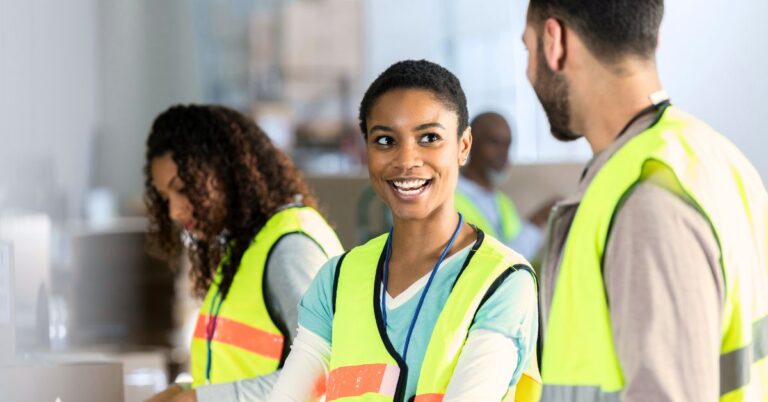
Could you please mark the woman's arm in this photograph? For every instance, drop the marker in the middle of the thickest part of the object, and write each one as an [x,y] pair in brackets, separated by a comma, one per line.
[501,342]
[306,369]
[293,264]
[304,375]
[486,365]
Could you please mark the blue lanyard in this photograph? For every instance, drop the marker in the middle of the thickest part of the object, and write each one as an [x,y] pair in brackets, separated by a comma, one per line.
[210,331]
[388,251]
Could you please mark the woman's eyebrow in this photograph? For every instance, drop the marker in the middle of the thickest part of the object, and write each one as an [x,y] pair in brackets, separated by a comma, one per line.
[379,127]
[428,125]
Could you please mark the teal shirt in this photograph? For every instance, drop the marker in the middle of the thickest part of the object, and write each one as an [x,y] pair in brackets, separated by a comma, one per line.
[511,311]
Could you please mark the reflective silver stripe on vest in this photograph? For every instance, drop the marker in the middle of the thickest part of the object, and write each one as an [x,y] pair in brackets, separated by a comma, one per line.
[577,393]
[735,366]
[760,339]
[735,370]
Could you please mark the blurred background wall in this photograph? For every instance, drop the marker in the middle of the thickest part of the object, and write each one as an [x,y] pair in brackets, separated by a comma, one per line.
[81,81]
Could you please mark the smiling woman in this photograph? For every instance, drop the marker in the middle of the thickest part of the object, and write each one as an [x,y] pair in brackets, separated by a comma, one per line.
[414,154]
[215,184]
[435,310]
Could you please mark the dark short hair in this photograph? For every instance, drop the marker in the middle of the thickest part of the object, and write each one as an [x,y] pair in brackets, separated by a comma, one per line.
[610,28]
[419,74]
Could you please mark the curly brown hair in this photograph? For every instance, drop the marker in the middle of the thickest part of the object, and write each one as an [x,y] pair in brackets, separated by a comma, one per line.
[214,144]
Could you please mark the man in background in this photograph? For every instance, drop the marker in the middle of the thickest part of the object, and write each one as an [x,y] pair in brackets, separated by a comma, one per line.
[478,197]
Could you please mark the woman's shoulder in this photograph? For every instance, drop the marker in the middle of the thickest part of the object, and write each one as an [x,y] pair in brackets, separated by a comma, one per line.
[494,248]
[296,242]
[513,303]
[326,275]
[316,305]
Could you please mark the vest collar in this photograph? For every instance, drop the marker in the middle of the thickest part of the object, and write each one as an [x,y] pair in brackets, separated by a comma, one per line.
[599,160]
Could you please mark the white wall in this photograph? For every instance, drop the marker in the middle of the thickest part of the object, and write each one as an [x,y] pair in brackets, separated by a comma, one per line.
[713,59]
[48,101]
[148,62]
[83,69]
[80,82]
[402,29]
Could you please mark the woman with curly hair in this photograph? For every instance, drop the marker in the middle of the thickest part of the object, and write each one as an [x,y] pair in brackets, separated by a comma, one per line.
[216,185]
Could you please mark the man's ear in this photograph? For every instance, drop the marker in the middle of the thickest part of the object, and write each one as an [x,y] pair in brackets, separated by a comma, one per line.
[554,44]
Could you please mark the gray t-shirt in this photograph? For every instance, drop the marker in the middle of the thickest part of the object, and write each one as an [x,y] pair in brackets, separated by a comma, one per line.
[292,265]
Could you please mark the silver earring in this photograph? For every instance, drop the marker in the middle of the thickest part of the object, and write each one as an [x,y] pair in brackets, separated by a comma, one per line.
[223,237]
[189,240]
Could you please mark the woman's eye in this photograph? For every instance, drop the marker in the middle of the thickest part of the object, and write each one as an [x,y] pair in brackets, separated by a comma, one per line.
[427,138]
[383,140]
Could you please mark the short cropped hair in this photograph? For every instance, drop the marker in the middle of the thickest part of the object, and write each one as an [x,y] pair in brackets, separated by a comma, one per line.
[418,74]
[611,29]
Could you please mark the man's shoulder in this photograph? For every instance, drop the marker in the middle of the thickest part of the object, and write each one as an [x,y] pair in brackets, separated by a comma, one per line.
[652,217]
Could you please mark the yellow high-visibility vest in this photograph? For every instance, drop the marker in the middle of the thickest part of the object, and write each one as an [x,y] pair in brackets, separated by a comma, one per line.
[365,367]
[699,165]
[246,341]
[510,219]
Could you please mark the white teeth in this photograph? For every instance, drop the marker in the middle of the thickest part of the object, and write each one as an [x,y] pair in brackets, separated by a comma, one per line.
[408,192]
[409,185]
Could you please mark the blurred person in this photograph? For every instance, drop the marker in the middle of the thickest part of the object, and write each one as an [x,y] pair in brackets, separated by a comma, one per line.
[478,197]
[655,277]
[435,308]
[215,183]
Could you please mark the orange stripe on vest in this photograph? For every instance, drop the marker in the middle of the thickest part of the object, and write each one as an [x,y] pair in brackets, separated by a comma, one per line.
[237,334]
[350,381]
[429,398]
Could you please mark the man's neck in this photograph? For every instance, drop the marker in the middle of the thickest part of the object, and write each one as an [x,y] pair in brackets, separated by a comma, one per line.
[612,101]
[476,175]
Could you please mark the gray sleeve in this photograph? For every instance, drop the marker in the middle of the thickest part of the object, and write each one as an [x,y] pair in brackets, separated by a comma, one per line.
[292,265]
[665,291]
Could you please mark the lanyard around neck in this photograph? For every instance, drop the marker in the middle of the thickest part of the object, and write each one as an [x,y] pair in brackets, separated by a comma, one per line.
[659,102]
[210,331]
[388,251]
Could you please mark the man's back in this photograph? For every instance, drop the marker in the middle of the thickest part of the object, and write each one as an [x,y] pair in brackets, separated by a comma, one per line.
[663,279]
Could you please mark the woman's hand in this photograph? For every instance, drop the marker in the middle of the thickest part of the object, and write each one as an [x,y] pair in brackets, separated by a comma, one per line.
[167,395]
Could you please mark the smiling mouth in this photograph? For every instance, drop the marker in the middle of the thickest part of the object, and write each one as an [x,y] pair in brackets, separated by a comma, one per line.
[409,187]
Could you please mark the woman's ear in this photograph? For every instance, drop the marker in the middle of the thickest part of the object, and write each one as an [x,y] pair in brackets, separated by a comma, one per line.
[465,145]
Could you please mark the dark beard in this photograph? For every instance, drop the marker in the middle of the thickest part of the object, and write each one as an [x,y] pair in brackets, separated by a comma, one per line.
[553,93]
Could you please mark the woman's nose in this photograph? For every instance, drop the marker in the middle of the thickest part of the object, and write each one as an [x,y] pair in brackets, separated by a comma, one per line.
[408,156]
[178,210]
